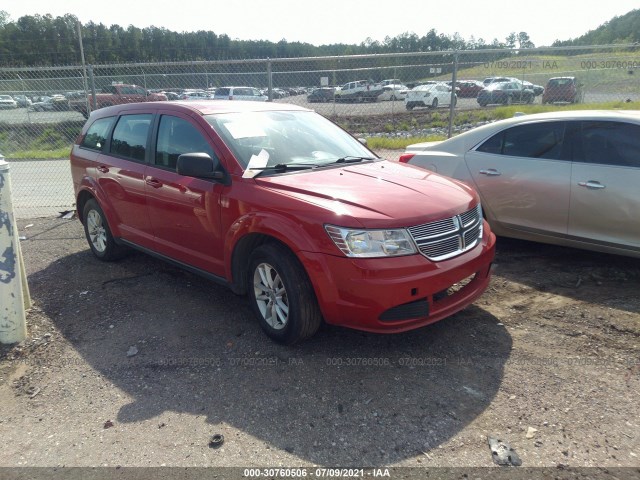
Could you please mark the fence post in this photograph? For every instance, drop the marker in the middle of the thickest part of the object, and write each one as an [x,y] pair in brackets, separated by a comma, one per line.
[452,106]
[92,82]
[14,291]
[269,80]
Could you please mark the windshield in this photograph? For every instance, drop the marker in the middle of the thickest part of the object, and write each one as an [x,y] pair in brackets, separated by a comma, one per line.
[284,138]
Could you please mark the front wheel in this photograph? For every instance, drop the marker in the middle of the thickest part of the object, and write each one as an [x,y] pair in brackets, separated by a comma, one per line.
[434,104]
[281,295]
[98,233]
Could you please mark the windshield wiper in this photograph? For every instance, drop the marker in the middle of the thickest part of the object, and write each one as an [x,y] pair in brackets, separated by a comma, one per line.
[284,167]
[353,159]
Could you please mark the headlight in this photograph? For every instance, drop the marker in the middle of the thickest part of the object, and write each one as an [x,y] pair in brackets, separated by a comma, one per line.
[371,243]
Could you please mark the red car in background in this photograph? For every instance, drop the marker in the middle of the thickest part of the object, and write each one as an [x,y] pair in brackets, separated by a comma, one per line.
[468,88]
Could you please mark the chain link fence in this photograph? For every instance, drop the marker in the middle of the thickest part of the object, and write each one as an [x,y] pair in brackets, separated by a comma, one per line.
[403,94]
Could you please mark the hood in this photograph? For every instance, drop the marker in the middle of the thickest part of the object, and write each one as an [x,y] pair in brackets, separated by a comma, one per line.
[376,195]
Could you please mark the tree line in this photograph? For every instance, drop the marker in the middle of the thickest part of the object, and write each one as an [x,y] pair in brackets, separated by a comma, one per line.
[624,29]
[44,40]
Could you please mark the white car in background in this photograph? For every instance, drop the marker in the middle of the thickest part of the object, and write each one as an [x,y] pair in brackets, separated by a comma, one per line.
[239,93]
[393,91]
[432,95]
[6,101]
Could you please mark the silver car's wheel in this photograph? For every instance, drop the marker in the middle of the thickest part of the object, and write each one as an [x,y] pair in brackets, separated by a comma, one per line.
[271,296]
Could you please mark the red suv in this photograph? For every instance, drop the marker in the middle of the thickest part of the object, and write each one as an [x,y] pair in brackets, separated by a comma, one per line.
[280,204]
[563,89]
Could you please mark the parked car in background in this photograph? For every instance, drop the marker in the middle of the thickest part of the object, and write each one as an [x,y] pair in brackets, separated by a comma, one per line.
[537,89]
[563,89]
[568,178]
[239,93]
[114,94]
[489,80]
[170,95]
[279,203]
[505,93]
[7,102]
[22,101]
[429,95]
[322,94]
[467,88]
[195,95]
[358,91]
[48,104]
[393,91]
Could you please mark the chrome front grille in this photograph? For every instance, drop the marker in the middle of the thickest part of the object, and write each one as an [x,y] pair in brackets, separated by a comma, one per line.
[449,237]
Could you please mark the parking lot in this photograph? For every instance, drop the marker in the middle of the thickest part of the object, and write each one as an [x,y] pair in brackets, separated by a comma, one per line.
[137,363]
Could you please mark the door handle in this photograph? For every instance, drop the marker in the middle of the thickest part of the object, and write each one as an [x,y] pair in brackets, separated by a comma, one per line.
[153,182]
[491,172]
[103,169]
[592,184]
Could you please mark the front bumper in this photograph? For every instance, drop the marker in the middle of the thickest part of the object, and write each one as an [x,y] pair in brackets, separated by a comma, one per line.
[390,295]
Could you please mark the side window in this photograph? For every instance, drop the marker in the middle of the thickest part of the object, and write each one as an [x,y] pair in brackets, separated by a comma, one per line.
[175,137]
[609,143]
[129,138]
[536,140]
[96,137]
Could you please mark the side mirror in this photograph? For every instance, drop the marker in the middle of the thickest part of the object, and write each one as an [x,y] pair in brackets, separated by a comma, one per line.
[200,165]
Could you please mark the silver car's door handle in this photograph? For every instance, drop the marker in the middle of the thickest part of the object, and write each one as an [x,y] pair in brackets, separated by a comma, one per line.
[591,184]
[492,172]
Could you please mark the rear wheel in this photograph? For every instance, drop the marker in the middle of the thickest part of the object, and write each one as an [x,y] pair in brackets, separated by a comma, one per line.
[98,233]
[282,296]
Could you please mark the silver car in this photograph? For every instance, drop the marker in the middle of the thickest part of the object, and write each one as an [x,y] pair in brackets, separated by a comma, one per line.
[568,178]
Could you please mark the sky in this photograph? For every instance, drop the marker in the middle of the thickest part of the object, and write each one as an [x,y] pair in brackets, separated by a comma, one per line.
[343,21]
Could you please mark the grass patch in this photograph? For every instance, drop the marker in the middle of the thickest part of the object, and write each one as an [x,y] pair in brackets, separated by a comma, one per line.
[62,152]
[400,143]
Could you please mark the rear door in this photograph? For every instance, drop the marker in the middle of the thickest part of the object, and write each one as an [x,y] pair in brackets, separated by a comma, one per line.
[605,183]
[184,211]
[522,175]
[120,174]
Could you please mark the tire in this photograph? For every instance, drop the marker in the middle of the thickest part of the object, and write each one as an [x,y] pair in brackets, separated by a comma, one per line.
[434,104]
[96,229]
[509,100]
[530,99]
[393,98]
[281,295]
[409,106]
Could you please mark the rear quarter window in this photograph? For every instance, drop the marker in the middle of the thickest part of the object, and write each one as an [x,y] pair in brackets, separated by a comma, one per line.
[96,136]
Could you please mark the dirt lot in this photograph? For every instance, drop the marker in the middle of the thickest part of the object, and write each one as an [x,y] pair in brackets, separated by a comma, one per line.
[547,360]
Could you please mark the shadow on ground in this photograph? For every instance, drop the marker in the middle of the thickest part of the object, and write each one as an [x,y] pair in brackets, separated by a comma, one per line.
[342,398]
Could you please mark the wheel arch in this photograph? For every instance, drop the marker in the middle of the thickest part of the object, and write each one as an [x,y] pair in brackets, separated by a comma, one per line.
[256,231]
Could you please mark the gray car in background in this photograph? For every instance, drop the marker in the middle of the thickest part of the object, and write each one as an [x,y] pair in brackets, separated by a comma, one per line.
[568,178]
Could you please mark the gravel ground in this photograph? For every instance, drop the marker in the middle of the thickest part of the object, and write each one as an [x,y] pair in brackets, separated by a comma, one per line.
[137,363]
